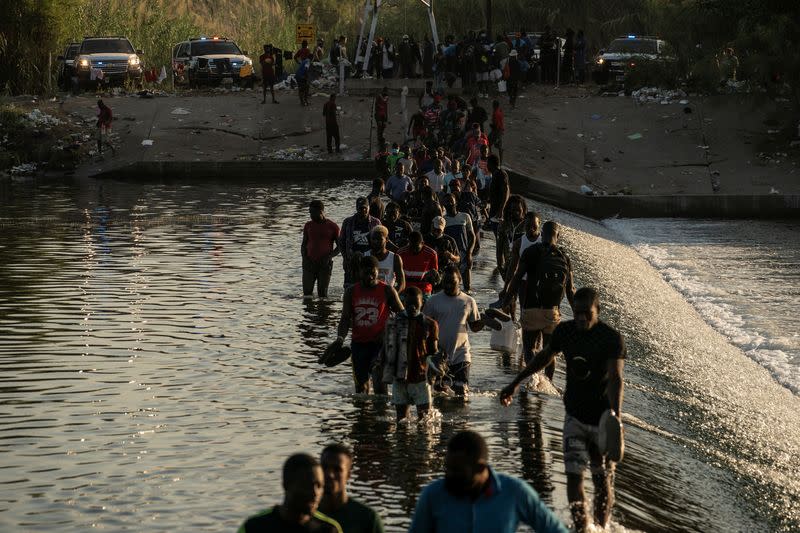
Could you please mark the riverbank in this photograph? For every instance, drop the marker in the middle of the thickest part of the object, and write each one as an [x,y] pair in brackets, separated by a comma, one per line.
[570,138]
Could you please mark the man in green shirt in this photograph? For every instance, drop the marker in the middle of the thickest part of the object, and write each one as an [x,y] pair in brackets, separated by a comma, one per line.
[352,515]
[302,485]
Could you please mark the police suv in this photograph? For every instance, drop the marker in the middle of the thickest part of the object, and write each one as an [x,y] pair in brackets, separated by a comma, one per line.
[211,60]
[107,59]
[613,64]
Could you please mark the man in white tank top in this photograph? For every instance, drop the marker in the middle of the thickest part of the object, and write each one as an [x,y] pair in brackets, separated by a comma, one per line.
[390,266]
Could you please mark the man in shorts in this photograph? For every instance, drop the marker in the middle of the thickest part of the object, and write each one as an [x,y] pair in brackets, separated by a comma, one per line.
[302,485]
[549,279]
[410,337]
[365,307]
[267,61]
[595,356]
[318,249]
[354,517]
[456,312]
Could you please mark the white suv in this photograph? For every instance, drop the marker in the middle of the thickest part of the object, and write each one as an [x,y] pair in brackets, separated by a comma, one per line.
[211,60]
[107,59]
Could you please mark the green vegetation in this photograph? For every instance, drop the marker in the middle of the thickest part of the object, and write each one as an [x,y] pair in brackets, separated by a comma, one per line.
[764,33]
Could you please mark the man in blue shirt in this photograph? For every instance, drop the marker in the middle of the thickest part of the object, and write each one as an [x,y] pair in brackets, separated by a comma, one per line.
[474,498]
[399,184]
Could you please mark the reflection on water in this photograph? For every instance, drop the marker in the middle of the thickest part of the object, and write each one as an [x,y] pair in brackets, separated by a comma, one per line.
[158,365]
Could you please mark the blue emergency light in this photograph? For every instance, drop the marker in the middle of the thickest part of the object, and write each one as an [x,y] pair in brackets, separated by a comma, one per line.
[631,37]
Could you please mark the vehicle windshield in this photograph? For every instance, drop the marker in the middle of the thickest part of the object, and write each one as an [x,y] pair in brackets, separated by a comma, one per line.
[111,46]
[634,46]
[72,51]
[202,48]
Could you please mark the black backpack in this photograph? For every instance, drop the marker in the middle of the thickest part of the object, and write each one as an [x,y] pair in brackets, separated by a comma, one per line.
[551,277]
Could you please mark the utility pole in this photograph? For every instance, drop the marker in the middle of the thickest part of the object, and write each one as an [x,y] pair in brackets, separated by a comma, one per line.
[489,19]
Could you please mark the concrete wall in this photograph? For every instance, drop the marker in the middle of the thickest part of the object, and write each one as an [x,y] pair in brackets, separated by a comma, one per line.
[598,207]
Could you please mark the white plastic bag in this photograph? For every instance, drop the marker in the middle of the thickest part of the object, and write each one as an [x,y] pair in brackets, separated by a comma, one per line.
[501,86]
[507,338]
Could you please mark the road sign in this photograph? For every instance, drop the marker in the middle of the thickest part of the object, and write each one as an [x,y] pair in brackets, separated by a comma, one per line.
[306,32]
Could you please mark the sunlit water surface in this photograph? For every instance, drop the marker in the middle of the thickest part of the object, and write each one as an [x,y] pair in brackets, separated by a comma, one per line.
[159,364]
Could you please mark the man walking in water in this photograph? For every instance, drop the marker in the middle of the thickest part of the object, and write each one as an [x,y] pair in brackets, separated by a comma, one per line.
[474,497]
[549,278]
[455,311]
[354,238]
[595,356]
[302,485]
[351,514]
[318,249]
[410,339]
[390,266]
[366,306]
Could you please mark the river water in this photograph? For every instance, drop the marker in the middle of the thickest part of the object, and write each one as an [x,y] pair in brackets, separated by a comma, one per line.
[158,365]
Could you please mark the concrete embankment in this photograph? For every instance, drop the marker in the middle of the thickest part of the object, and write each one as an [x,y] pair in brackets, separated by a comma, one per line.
[597,207]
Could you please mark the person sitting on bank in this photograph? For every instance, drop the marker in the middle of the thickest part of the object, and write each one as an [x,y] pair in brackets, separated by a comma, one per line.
[302,484]
[352,515]
[474,497]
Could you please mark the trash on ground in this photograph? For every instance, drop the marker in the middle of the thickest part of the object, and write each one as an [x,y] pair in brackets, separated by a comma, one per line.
[23,169]
[651,95]
[293,153]
[38,118]
[585,189]
[180,111]
[635,136]
[147,142]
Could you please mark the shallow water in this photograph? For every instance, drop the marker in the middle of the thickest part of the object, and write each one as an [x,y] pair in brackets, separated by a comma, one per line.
[158,365]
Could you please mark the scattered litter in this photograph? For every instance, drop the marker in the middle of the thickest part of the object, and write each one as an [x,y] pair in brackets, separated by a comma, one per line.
[596,117]
[580,135]
[651,95]
[771,132]
[147,142]
[23,169]
[179,111]
[585,189]
[37,118]
[773,190]
[635,136]
[684,102]
[564,175]
[294,153]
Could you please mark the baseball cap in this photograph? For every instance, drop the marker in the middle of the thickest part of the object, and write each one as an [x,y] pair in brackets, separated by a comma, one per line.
[438,223]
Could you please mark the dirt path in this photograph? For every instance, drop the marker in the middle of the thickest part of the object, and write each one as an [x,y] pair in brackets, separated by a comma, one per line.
[568,137]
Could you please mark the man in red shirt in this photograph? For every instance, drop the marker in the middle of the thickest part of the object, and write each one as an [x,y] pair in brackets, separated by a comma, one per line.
[420,264]
[365,306]
[303,53]
[475,139]
[498,125]
[382,113]
[267,60]
[318,250]
[104,118]
[331,124]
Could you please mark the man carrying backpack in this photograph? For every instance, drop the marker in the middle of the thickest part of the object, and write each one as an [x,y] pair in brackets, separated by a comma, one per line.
[549,279]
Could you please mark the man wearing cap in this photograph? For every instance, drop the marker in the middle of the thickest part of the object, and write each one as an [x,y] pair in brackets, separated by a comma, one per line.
[444,245]
[354,238]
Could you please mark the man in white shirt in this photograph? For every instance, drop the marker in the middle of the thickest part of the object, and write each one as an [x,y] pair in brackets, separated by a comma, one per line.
[436,176]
